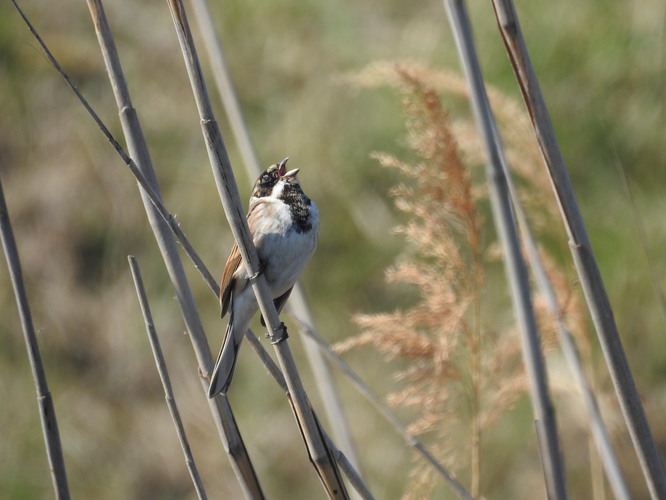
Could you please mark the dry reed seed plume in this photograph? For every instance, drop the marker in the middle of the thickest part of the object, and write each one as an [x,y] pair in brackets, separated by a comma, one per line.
[445,266]
[524,157]
[521,148]
[462,374]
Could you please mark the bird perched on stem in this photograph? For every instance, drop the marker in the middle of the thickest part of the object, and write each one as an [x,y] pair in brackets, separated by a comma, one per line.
[284,224]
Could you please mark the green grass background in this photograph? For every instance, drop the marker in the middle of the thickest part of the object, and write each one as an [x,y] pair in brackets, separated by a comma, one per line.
[76,215]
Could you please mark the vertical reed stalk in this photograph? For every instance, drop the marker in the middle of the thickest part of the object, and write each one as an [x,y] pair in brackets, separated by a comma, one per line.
[598,430]
[165,379]
[583,256]
[514,264]
[47,413]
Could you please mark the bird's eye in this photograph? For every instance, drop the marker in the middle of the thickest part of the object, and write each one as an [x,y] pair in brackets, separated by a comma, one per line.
[265,178]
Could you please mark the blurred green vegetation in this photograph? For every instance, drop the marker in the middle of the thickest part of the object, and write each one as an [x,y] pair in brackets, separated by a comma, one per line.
[76,215]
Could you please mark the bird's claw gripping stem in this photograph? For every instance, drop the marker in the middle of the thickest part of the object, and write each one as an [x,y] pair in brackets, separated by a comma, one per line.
[279,334]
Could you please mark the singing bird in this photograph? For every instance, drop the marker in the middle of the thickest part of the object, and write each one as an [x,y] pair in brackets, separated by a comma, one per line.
[284,224]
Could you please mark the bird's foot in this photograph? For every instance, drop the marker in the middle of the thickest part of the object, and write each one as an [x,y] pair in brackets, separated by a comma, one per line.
[279,334]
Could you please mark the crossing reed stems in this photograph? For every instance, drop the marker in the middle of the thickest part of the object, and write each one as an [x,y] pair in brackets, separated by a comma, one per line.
[583,255]
[138,149]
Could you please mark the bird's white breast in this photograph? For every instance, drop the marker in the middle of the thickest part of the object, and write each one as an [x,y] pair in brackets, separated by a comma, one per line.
[282,249]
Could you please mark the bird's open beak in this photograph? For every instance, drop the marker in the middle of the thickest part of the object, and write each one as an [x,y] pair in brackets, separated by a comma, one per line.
[282,169]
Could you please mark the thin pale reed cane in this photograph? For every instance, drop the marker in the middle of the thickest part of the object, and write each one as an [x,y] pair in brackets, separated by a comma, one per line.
[320,455]
[225,88]
[164,378]
[47,413]
[598,429]
[583,255]
[513,260]
[229,432]
[642,234]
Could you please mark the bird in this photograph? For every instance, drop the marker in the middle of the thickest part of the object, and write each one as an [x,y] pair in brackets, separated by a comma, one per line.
[284,224]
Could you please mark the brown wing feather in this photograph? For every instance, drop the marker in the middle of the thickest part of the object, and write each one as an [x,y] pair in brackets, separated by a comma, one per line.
[232,265]
[233,262]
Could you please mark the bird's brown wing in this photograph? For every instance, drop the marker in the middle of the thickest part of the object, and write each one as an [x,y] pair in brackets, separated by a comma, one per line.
[228,280]
[233,263]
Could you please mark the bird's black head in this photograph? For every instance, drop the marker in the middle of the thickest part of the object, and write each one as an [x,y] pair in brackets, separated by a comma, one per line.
[270,177]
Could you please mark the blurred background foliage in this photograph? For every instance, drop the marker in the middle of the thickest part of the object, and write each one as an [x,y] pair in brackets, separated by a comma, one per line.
[76,215]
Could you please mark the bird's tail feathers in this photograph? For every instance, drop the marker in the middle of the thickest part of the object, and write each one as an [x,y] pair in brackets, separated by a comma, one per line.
[226,363]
